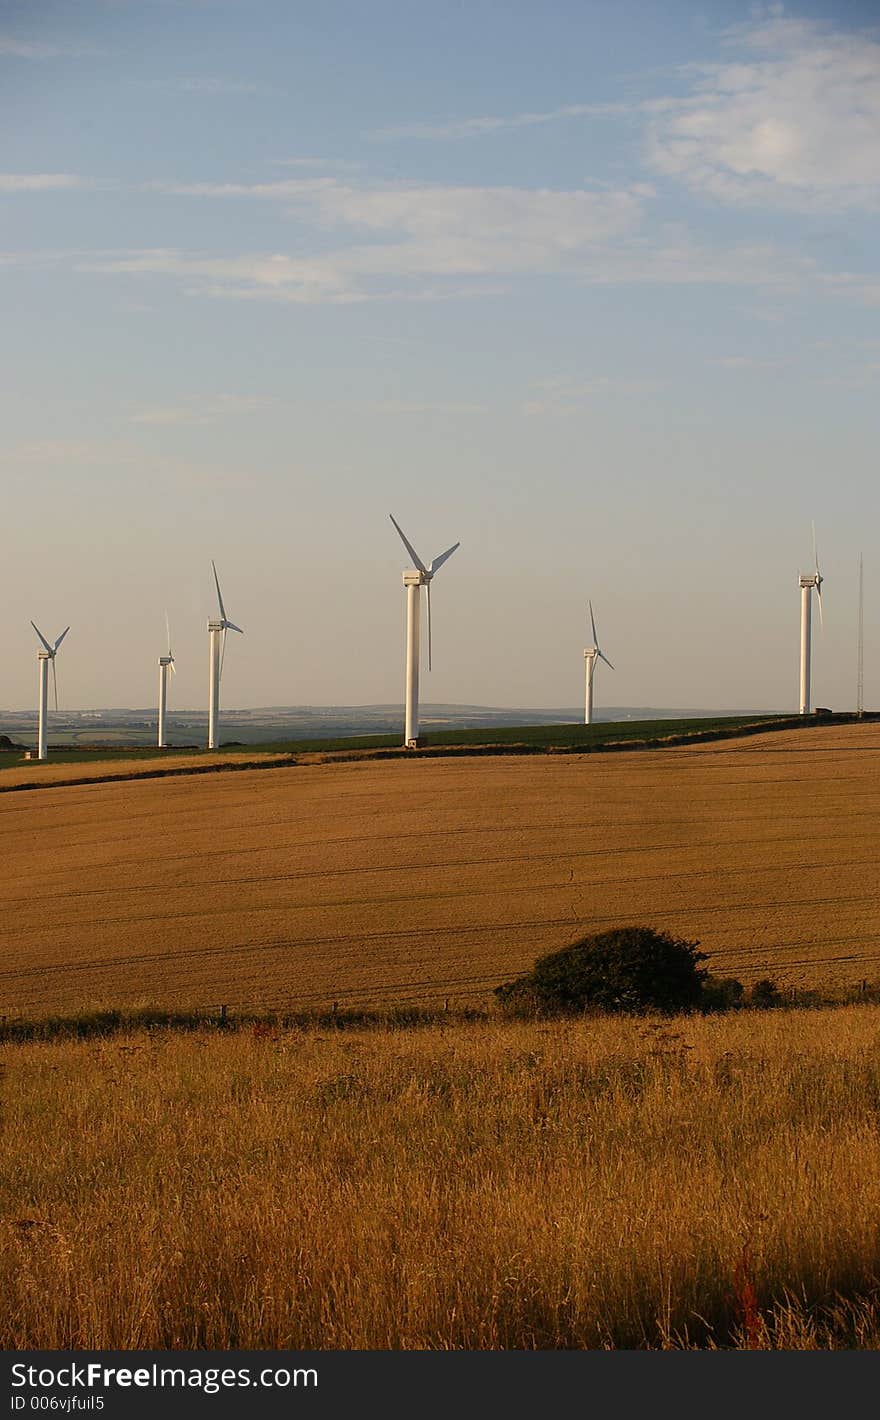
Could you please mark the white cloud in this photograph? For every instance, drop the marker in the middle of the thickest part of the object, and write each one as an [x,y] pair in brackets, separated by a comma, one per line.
[41,182]
[795,122]
[201,410]
[430,233]
[498,123]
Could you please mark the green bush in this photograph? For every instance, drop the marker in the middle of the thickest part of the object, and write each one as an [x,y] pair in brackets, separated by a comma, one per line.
[630,969]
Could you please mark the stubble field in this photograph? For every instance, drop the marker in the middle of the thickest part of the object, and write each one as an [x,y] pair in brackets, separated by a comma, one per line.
[384,883]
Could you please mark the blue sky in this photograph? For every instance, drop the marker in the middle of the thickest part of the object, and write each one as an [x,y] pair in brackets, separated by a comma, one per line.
[591,287]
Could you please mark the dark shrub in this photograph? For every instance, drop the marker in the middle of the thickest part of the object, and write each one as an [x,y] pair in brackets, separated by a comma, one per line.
[627,969]
[722,993]
[765,993]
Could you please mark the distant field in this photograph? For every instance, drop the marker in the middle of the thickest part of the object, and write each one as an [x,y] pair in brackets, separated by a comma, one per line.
[534,737]
[416,880]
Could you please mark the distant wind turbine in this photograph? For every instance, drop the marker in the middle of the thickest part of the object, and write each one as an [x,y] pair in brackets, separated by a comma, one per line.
[591,656]
[217,652]
[414,579]
[166,664]
[43,658]
[807,582]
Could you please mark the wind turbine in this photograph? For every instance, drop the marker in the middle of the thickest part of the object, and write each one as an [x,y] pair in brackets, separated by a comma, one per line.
[217,654]
[414,579]
[806,582]
[166,664]
[43,658]
[591,656]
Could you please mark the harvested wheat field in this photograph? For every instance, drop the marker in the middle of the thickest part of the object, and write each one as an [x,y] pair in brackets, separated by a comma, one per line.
[416,880]
[691,1182]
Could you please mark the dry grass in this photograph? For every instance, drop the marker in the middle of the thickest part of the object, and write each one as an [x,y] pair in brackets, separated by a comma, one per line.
[382,883]
[706,1181]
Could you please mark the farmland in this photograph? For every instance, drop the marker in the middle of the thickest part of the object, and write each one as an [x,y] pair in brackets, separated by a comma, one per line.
[423,880]
[605,1183]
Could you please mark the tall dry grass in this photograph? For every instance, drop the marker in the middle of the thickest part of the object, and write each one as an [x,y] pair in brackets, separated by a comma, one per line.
[709,1181]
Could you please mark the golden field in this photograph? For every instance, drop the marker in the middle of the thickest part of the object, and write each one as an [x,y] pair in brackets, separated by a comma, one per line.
[600,1183]
[415,880]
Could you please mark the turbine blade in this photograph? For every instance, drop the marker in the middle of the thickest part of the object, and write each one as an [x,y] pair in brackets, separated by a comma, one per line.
[168,629]
[428,584]
[55,682]
[819,601]
[222,655]
[61,637]
[606,660]
[593,624]
[438,561]
[171,666]
[409,547]
[219,595]
[231,626]
[42,637]
[815,549]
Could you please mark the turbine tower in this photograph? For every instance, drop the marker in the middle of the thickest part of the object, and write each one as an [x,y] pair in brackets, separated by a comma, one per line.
[43,658]
[591,656]
[860,686]
[414,579]
[217,652]
[807,582]
[166,663]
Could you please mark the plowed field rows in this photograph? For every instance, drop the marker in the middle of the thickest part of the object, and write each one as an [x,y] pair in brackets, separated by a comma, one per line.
[411,881]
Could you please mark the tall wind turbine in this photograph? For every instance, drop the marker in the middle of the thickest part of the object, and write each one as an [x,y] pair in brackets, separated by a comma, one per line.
[807,583]
[43,658]
[166,664]
[591,656]
[217,652]
[414,579]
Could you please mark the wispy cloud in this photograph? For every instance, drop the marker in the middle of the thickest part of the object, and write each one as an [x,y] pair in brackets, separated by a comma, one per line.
[36,49]
[795,121]
[564,394]
[498,123]
[432,234]
[337,164]
[744,362]
[202,410]
[205,85]
[107,453]
[42,182]
[406,406]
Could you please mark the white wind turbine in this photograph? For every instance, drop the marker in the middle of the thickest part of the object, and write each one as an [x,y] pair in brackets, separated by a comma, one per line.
[414,579]
[166,664]
[807,582]
[217,653]
[43,659]
[591,656]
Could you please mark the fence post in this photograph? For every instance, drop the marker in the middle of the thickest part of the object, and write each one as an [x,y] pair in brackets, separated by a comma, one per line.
[223,1015]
